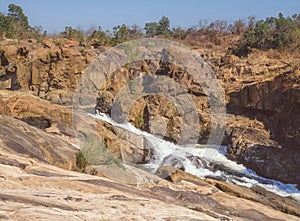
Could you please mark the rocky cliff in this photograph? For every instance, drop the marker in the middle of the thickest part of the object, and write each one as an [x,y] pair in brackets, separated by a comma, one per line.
[40,176]
[48,69]
[39,137]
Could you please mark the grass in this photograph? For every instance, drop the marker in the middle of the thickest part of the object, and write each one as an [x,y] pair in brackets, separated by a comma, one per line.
[139,121]
[94,152]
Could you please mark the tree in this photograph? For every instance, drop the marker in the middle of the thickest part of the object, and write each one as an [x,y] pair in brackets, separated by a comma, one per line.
[121,34]
[100,37]
[238,27]
[15,24]
[219,26]
[271,33]
[17,15]
[4,25]
[162,28]
[151,29]
[179,33]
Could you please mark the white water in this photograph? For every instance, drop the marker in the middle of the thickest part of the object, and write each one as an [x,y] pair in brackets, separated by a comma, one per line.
[213,163]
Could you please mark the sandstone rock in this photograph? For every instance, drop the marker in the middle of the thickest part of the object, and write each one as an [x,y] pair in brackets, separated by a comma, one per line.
[55,64]
[48,43]
[20,138]
[41,191]
[41,114]
[273,163]
[271,149]
[255,194]
[104,102]
[127,174]
[212,188]
[175,174]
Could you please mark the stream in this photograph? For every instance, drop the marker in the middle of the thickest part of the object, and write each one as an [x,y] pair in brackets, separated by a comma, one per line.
[203,161]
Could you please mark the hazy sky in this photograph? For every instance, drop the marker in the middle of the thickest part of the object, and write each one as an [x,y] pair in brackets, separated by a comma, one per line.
[54,15]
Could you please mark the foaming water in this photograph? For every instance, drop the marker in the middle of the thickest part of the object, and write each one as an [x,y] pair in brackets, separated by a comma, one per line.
[203,161]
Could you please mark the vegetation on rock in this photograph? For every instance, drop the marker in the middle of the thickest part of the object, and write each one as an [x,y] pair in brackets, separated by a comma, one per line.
[282,33]
[94,152]
[271,33]
[15,24]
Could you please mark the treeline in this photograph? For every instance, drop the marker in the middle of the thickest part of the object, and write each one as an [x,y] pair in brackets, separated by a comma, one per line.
[272,33]
[15,24]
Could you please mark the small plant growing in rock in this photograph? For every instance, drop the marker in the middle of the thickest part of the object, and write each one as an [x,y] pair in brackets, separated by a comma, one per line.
[94,152]
[81,161]
[139,121]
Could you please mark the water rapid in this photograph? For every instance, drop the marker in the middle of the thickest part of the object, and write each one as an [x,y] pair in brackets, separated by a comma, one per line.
[203,161]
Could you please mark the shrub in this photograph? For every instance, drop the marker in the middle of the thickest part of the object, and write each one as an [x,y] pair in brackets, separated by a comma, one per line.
[162,28]
[272,33]
[94,152]
[73,33]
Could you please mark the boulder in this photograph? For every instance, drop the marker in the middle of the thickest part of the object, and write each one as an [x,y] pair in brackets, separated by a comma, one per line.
[64,122]
[20,138]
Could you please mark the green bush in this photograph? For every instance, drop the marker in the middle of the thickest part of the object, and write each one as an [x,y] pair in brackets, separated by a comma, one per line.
[162,28]
[272,33]
[15,24]
[73,33]
[94,152]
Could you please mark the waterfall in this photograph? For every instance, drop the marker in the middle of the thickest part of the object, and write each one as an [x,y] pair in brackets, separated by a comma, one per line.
[203,161]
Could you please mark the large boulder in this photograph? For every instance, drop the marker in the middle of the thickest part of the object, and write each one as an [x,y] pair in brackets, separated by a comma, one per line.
[20,138]
[73,126]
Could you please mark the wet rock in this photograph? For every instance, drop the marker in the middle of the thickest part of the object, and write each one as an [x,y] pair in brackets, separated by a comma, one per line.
[173,161]
[258,194]
[104,102]
[269,149]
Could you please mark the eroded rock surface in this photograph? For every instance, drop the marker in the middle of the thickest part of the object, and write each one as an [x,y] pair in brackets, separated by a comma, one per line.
[38,137]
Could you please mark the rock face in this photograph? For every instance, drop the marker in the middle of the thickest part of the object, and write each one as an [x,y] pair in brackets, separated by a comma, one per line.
[262,93]
[8,72]
[155,113]
[19,138]
[49,70]
[63,122]
[38,138]
[255,194]
[276,103]
[32,189]
[36,180]
[30,157]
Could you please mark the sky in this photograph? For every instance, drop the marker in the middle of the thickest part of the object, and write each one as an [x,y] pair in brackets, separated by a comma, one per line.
[54,15]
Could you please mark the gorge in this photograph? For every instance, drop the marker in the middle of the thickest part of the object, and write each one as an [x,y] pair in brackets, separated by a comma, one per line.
[44,128]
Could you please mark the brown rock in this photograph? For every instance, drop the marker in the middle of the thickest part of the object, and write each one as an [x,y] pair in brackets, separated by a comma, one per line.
[18,137]
[271,152]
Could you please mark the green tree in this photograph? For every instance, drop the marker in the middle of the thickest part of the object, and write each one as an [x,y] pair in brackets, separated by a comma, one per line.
[271,33]
[120,33]
[162,28]
[5,24]
[15,24]
[151,29]
[16,13]
[100,37]
[287,32]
